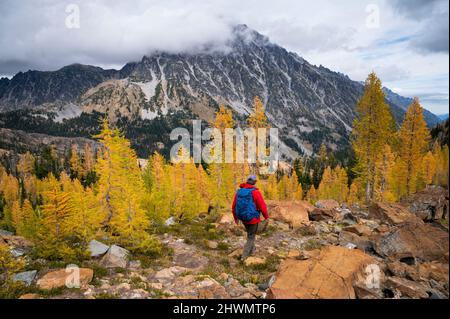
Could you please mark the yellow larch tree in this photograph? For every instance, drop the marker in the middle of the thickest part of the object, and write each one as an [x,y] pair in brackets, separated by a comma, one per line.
[413,140]
[121,191]
[76,167]
[427,170]
[295,187]
[384,184]
[372,128]
[158,186]
[87,217]
[57,208]
[311,196]
[257,119]
[272,187]
[442,164]
[353,194]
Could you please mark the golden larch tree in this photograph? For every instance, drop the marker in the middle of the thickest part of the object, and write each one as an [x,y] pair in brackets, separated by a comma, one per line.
[373,127]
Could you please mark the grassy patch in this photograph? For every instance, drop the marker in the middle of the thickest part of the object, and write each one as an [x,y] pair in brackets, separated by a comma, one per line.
[163,261]
[307,230]
[253,274]
[312,244]
[444,222]
[196,231]
[269,231]
[106,296]
[137,283]
[223,246]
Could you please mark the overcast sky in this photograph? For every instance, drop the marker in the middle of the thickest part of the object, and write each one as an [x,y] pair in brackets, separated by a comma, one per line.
[405,41]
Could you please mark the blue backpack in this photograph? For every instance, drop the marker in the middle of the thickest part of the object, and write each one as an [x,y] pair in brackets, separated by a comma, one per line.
[245,207]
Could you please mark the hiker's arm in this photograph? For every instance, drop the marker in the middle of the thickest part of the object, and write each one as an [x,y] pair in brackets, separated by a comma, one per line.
[260,204]
[233,208]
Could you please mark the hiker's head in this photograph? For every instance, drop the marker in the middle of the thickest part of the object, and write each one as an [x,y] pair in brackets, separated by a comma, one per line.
[251,180]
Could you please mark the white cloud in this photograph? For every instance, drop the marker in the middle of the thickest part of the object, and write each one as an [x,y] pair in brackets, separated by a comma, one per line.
[332,33]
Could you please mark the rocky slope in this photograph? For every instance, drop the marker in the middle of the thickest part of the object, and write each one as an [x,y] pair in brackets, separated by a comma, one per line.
[322,251]
[309,104]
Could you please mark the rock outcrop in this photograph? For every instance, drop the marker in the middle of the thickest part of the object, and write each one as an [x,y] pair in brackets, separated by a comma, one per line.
[116,257]
[328,274]
[429,204]
[392,213]
[414,240]
[75,278]
[295,213]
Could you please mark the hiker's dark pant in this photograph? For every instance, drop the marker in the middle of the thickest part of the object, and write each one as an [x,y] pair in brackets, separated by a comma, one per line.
[249,247]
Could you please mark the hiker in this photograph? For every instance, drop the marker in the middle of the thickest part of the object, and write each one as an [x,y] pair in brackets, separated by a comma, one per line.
[248,204]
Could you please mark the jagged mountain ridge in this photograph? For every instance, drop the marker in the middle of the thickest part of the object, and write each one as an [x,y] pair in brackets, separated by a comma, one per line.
[309,104]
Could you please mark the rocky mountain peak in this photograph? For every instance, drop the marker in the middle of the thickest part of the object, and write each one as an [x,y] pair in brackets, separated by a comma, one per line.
[309,104]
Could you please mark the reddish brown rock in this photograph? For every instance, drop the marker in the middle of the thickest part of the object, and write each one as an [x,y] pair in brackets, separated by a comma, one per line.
[59,278]
[319,214]
[382,229]
[434,270]
[358,229]
[295,213]
[429,204]
[392,213]
[407,287]
[329,273]
[414,240]
[403,270]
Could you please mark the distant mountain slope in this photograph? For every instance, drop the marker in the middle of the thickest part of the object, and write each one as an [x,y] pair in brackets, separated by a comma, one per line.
[440,132]
[309,104]
[404,102]
[34,88]
[443,117]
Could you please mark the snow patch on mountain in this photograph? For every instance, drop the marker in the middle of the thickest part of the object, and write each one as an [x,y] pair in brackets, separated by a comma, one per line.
[148,88]
[68,111]
[148,114]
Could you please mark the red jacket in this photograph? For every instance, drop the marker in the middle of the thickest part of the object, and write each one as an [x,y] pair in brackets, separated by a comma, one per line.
[259,204]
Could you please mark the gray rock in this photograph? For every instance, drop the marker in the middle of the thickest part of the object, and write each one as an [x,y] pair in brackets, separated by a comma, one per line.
[26,277]
[97,248]
[17,252]
[164,275]
[169,221]
[116,257]
[5,233]
[134,264]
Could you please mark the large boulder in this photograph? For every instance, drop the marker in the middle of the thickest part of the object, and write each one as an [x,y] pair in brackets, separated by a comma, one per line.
[358,229]
[407,288]
[429,204]
[412,241]
[62,277]
[97,249]
[349,240]
[319,214]
[116,257]
[391,213]
[294,213]
[434,270]
[329,273]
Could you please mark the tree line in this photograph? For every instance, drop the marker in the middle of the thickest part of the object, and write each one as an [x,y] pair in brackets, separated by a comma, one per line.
[106,194]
